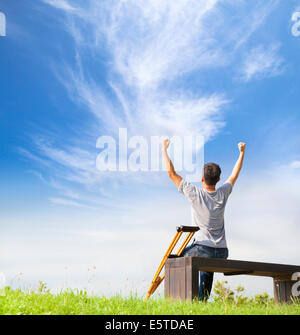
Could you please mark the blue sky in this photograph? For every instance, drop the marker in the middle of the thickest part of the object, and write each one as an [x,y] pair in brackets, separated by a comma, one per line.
[72,71]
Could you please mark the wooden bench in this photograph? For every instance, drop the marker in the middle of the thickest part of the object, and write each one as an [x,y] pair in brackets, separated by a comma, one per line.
[182,275]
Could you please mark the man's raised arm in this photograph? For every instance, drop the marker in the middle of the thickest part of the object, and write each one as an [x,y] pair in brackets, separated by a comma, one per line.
[168,163]
[238,165]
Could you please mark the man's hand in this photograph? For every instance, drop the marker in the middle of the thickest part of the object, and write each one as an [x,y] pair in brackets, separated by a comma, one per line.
[165,144]
[238,165]
[168,163]
[242,146]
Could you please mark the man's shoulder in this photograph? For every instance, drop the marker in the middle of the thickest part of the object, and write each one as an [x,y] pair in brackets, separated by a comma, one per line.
[226,188]
[227,184]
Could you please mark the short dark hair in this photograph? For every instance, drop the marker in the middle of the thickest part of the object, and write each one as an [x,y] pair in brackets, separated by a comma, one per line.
[211,173]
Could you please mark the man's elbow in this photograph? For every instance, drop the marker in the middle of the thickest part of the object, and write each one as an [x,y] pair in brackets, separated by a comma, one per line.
[171,174]
[175,177]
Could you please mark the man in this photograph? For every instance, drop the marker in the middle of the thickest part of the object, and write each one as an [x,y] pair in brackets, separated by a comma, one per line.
[208,206]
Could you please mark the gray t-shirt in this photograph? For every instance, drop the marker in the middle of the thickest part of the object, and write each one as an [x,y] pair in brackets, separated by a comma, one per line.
[208,212]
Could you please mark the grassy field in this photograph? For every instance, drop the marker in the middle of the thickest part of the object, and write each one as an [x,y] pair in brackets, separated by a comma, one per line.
[38,302]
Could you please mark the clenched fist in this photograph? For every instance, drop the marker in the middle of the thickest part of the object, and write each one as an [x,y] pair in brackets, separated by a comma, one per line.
[242,146]
[165,143]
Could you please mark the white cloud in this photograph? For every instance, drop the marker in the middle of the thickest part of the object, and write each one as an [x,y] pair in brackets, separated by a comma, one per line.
[72,203]
[295,165]
[255,14]
[156,41]
[60,4]
[150,46]
[262,62]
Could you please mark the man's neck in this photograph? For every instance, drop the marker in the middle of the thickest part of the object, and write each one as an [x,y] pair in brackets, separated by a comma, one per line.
[209,188]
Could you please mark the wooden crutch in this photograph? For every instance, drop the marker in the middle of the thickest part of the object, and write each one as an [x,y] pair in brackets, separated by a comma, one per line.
[179,231]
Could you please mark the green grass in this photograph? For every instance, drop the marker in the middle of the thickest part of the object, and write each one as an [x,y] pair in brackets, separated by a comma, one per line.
[18,302]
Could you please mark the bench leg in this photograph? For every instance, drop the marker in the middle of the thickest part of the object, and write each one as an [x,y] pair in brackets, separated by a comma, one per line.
[181,280]
[192,287]
[283,290]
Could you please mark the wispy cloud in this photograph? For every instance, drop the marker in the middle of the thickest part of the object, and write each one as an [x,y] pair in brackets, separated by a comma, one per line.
[256,12]
[152,41]
[142,51]
[295,165]
[262,62]
[151,45]
[60,4]
[72,203]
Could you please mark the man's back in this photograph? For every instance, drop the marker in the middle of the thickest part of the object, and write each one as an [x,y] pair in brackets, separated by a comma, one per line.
[208,209]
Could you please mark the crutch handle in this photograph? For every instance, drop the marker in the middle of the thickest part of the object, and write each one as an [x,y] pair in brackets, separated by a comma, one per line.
[187,229]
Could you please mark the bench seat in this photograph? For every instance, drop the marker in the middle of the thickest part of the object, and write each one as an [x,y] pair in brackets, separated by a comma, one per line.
[182,279]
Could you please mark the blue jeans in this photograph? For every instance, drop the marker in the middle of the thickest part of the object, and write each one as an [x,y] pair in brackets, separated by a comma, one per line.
[206,278]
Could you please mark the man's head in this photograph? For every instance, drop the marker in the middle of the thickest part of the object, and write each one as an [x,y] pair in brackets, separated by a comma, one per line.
[211,174]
